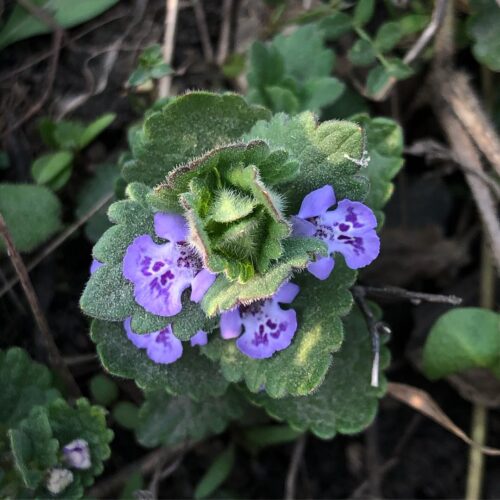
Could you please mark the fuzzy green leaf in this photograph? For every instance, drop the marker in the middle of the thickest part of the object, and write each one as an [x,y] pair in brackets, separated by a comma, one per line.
[301,367]
[482,26]
[345,403]
[33,447]
[330,153]
[187,127]
[167,420]
[292,73]
[193,374]
[224,294]
[32,214]
[384,143]
[463,338]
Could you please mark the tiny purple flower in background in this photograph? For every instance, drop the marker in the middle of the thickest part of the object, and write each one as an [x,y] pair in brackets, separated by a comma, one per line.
[348,229]
[267,327]
[162,347]
[77,454]
[200,338]
[95,266]
[160,273]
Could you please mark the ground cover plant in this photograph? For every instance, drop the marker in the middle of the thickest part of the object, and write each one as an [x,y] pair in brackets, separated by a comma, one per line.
[249,249]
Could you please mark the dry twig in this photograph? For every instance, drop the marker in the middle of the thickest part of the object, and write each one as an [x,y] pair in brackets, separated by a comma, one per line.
[201,22]
[291,477]
[172,9]
[225,32]
[55,358]
[415,298]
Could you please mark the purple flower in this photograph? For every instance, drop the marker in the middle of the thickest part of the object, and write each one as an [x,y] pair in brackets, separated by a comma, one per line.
[58,480]
[160,273]
[200,338]
[348,229]
[95,266]
[267,327]
[162,347]
[77,454]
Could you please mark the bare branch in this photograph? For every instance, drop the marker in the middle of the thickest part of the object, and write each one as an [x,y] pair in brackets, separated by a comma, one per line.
[415,298]
[172,9]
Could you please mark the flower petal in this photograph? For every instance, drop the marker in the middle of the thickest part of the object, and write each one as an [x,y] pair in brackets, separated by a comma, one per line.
[160,274]
[322,267]
[201,283]
[95,266]
[317,202]
[267,332]
[139,340]
[359,250]
[302,227]
[351,217]
[200,338]
[230,324]
[286,293]
[172,227]
[164,347]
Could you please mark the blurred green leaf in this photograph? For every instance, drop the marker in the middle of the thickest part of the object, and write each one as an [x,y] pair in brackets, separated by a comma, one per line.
[361,53]
[217,473]
[103,389]
[463,338]
[234,66]
[53,168]
[363,12]
[388,36]
[95,128]
[4,160]
[483,27]
[262,436]
[126,414]
[335,26]
[67,13]
[32,214]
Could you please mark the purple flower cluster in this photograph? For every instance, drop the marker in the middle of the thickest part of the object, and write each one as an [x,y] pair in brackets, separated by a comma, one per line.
[161,272]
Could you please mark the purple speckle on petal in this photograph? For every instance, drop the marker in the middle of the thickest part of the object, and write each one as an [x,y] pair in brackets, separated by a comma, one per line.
[77,454]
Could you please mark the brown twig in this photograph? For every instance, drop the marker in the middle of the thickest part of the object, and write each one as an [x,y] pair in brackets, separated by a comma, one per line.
[58,241]
[172,9]
[291,477]
[225,32]
[201,22]
[373,461]
[415,298]
[425,38]
[55,358]
[375,328]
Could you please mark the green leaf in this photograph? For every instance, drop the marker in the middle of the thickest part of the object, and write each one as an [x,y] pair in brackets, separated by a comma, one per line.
[384,143]
[93,190]
[388,36]
[126,414]
[399,69]
[103,389]
[345,403]
[299,369]
[234,65]
[4,160]
[463,338]
[32,214]
[363,12]
[47,169]
[216,474]
[330,153]
[167,420]
[34,447]
[21,24]
[362,53]
[67,133]
[482,27]
[377,79]
[413,23]
[185,128]
[193,374]
[95,128]
[292,73]
[224,294]
[335,26]
[262,436]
